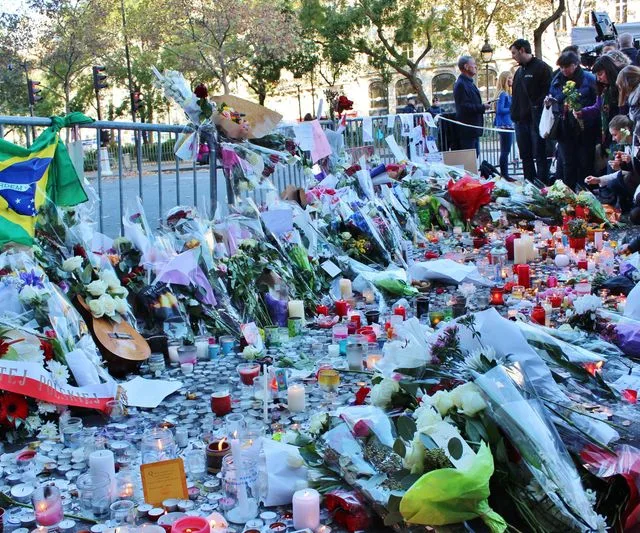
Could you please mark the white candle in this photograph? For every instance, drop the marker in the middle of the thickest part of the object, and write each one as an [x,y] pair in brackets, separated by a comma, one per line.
[202,348]
[103,462]
[243,502]
[296,309]
[187,368]
[369,296]
[296,398]
[265,395]
[345,289]
[597,239]
[173,353]
[519,252]
[217,523]
[306,509]
[372,359]
[548,309]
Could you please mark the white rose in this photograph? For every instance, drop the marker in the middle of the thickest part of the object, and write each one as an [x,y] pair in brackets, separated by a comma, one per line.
[294,460]
[441,400]
[71,264]
[108,304]
[96,307]
[122,307]
[467,399]
[28,294]
[119,291]
[414,458]
[382,392]
[317,422]
[97,288]
[110,279]
[426,416]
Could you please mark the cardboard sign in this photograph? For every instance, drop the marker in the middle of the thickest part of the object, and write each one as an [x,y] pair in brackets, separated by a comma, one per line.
[163,480]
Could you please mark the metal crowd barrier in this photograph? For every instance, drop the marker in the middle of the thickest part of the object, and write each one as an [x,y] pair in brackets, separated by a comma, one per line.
[140,162]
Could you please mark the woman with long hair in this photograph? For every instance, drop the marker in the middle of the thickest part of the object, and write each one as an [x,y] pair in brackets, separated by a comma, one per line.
[628,83]
[503,120]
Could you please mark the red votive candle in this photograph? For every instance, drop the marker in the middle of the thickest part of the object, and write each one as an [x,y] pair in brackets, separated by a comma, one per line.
[322,310]
[401,311]
[538,315]
[497,296]
[342,308]
[524,276]
[583,264]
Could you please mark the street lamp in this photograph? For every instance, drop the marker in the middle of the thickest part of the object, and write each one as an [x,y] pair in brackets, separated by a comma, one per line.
[486,53]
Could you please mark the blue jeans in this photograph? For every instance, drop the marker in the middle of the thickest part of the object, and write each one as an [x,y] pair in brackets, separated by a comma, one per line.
[506,142]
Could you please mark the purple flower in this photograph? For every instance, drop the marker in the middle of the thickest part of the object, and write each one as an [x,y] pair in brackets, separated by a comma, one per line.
[31,278]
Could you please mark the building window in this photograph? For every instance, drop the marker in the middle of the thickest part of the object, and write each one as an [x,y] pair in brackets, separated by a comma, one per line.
[404,91]
[442,87]
[407,51]
[482,82]
[378,98]
[621,11]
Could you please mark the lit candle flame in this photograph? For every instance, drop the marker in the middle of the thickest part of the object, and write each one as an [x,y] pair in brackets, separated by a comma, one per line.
[220,444]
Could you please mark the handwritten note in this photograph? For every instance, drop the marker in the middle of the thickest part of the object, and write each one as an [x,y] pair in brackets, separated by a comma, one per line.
[164,480]
[367,129]
[321,147]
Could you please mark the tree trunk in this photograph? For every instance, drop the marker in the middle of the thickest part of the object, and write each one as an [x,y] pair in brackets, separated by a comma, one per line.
[262,96]
[416,83]
[544,24]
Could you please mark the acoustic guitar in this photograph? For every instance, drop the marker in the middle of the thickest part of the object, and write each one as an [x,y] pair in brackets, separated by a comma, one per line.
[121,346]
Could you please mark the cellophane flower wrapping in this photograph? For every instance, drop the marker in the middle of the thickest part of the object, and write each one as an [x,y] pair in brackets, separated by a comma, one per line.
[524,421]
[469,194]
[449,495]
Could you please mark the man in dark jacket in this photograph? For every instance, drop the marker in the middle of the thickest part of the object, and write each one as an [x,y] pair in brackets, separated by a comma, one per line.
[469,107]
[530,86]
[625,40]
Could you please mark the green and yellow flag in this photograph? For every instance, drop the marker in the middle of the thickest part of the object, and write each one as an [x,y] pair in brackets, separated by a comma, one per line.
[31,176]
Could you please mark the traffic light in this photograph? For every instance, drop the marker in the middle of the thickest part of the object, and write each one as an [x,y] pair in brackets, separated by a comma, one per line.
[34,92]
[99,78]
[137,101]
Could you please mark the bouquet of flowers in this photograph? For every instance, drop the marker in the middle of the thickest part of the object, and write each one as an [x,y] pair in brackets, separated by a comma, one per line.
[469,194]
[572,100]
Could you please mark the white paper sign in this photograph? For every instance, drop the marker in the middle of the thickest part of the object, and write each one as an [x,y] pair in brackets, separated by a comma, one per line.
[391,121]
[398,153]
[278,221]
[331,268]
[149,393]
[428,118]
[304,136]
[367,129]
[431,145]
[407,124]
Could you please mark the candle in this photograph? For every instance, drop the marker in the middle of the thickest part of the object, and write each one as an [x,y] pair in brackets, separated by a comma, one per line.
[552,281]
[187,368]
[191,524]
[216,451]
[547,313]
[47,506]
[355,319]
[519,252]
[103,462]
[524,276]
[342,307]
[497,296]
[172,348]
[202,348]
[555,300]
[538,315]
[243,500]
[296,398]
[217,523]
[583,264]
[372,360]
[322,310]
[597,239]
[369,296]
[296,309]
[345,289]
[221,402]
[399,310]
[306,509]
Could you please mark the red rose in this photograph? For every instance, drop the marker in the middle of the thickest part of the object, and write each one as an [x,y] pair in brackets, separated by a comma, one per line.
[344,104]
[79,251]
[361,429]
[47,348]
[201,91]
[362,394]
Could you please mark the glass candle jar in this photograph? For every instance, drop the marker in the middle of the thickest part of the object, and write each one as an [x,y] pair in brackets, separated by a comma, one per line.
[158,444]
[240,487]
[156,363]
[47,506]
[356,348]
[172,349]
[72,432]
[94,493]
[187,354]
[497,296]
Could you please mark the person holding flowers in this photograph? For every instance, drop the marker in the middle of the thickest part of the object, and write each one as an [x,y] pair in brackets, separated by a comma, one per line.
[572,89]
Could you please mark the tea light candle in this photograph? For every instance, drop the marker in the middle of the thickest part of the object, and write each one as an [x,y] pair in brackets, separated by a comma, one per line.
[372,359]
[186,368]
[369,296]
[296,309]
[345,289]
[217,523]
[48,510]
[191,524]
[306,509]
[296,398]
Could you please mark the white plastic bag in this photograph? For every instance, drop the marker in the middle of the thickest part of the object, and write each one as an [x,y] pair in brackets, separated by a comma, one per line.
[546,122]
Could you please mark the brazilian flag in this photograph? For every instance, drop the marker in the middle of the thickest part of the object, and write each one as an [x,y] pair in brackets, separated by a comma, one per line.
[29,177]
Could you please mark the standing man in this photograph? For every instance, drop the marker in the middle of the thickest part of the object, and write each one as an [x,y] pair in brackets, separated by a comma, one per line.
[469,107]
[530,86]
[625,40]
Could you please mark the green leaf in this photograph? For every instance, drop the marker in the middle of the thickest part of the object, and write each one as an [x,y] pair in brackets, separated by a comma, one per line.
[406,427]
[400,448]
[475,430]
[394,501]
[408,481]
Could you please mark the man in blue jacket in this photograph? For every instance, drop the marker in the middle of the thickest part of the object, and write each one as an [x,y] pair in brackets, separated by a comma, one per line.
[469,107]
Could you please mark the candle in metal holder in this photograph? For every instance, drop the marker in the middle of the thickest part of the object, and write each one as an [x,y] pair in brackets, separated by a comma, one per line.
[215,453]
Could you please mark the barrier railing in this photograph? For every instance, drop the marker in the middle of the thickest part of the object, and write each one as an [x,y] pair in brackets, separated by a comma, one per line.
[129,168]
